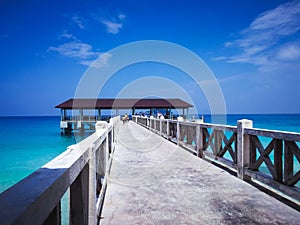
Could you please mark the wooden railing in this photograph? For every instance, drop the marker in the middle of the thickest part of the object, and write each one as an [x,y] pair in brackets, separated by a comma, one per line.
[241,148]
[80,169]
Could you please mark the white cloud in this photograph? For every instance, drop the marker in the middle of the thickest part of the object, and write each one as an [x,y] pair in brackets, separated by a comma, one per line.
[290,52]
[78,21]
[75,49]
[67,35]
[114,25]
[82,52]
[121,16]
[266,38]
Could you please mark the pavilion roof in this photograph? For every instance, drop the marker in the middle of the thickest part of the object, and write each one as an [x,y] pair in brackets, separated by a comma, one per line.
[123,103]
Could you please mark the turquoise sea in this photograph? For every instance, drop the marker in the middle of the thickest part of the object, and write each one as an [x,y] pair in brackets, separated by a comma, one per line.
[27,143]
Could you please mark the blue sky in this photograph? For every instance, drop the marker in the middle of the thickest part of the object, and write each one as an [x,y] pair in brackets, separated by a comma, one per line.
[252,47]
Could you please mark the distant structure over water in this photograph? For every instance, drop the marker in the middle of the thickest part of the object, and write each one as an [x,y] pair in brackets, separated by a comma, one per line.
[80,114]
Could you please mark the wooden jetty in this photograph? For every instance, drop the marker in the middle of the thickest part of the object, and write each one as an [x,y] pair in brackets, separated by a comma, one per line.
[161,171]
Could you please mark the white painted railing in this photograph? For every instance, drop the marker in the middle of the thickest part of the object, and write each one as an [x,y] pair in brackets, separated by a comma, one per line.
[239,148]
[81,169]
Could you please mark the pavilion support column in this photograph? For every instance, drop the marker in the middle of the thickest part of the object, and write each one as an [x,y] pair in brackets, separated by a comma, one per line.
[81,129]
[99,114]
[61,115]
[117,112]
[133,111]
[81,114]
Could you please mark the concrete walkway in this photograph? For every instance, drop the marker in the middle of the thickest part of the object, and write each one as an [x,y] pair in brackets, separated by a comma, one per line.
[153,181]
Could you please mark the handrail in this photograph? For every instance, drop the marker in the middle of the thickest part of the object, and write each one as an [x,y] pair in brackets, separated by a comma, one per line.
[36,198]
[243,148]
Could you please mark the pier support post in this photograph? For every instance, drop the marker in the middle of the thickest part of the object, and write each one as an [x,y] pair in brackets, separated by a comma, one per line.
[243,151]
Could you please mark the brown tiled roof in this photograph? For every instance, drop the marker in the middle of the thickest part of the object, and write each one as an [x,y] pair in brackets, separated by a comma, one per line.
[123,103]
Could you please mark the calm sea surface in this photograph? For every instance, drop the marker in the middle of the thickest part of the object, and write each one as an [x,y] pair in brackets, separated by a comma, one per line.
[27,143]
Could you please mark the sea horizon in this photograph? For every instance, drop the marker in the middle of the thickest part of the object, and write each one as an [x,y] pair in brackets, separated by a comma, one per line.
[28,142]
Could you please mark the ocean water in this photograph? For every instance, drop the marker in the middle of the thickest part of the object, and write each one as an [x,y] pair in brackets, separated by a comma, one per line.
[282,122]
[27,143]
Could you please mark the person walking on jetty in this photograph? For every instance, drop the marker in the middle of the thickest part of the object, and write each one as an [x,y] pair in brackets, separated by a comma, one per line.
[125,118]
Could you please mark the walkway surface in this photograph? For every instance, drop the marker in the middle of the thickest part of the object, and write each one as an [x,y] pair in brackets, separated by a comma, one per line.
[153,181]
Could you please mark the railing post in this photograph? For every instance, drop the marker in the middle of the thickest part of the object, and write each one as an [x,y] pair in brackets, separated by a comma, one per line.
[160,127]
[217,142]
[79,198]
[243,151]
[178,132]
[55,216]
[111,140]
[106,147]
[199,141]
[92,186]
[168,129]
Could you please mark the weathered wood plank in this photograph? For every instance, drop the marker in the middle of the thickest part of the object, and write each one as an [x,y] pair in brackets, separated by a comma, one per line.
[293,192]
[288,163]
[228,147]
[264,155]
[294,179]
[278,160]
[294,148]
[79,197]
[252,149]
[288,136]
[219,127]
[55,216]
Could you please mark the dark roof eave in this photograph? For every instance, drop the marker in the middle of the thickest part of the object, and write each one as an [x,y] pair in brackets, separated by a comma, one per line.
[123,103]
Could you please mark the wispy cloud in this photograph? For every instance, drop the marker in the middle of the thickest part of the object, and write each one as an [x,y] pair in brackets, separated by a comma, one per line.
[67,35]
[114,25]
[82,52]
[78,21]
[289,51]
[268,37]
[75,49]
